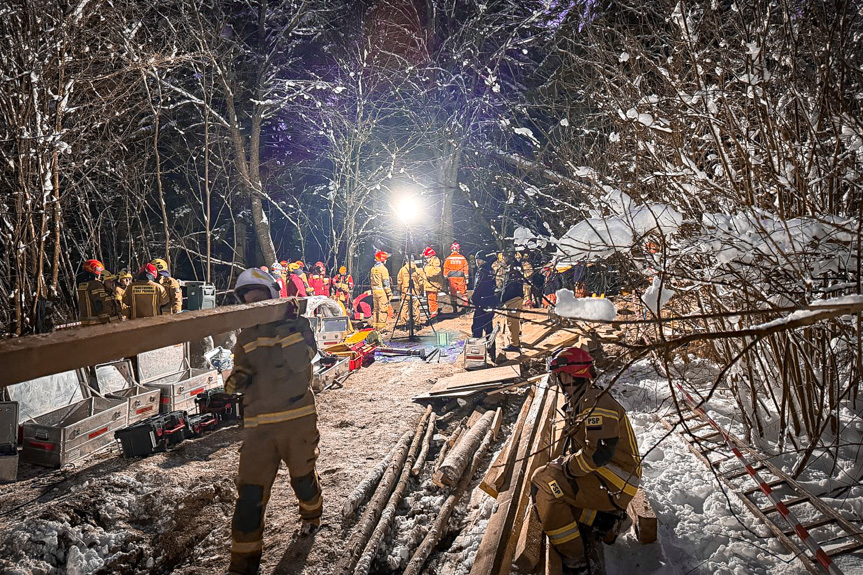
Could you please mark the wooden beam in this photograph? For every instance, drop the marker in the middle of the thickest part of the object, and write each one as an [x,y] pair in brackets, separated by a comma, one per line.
[35,356]
[643,518]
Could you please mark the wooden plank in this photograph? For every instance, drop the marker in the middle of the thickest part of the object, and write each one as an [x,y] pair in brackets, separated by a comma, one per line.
[497,474]
[473,378]
[495,425]
[26,358]
[489,555]
[474,417]
[525,543]
[643,518]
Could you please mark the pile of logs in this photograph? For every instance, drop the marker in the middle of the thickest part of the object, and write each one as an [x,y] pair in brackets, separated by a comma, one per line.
[385,487]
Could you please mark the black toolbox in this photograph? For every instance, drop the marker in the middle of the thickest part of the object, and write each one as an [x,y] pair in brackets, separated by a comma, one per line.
[153,434]
[201,423]
[226,406]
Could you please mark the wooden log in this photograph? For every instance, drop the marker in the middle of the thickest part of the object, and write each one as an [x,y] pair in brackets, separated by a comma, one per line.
[27,358]
[453,439]
[459,457]
[489,554]
[438,529]
[525,544]
[643,518]
[389,513]
[366,487]
[421,459]
[500,470]
[366,525]
[553,560]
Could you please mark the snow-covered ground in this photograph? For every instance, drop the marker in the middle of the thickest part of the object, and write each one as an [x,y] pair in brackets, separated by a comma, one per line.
[704,529]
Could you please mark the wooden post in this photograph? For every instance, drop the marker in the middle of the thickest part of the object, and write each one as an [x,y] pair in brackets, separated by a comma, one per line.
[643,518]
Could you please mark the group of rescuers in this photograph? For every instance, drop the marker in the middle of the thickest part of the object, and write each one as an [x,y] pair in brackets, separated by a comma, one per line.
[590,486]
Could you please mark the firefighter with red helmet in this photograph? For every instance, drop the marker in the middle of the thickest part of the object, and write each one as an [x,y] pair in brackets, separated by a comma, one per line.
[382,291]
[145,297]
[273,371]
[434,279]
[93,304]
[457,271]
[317,279]
[600,470]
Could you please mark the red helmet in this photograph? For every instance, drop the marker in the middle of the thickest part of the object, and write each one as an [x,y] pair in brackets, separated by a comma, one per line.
[429,252]
[572,360]
[381,256]
[455,248]
[150,270]
[319,264]
[94,266]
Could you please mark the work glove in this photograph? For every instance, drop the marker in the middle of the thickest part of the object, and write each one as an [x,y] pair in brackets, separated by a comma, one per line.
[240,379]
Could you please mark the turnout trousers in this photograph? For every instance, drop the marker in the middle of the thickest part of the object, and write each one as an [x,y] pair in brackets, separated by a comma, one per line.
[457,289]
[431,297]
[381,309]
[264,448]
[405,311]
[512,318]
[563,504]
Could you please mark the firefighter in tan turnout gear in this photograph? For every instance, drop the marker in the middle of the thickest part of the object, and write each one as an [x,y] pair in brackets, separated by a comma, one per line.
[93,305]
[599,473]
[171,285]
[273,371]
[410,299]
[144,297]
[382,291]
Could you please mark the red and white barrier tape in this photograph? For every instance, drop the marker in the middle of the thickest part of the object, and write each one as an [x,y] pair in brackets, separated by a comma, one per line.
[820,556]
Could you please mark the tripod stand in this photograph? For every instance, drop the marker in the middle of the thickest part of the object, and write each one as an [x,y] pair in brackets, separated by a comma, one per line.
[408,297]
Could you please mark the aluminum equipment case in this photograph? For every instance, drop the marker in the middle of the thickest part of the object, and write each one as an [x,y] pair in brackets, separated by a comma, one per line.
[167,369]
[61,423]
[329,330]
[116,380]
[8,441]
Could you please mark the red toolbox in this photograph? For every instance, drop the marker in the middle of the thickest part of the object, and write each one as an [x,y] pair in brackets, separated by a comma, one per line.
[167,369]
[201,423]
[225,406]
[153,434]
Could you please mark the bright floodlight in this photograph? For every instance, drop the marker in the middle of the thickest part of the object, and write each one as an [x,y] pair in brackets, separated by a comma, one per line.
[407,208]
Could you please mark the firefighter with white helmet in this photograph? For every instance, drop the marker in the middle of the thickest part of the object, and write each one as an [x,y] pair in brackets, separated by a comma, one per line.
[273,371]
[456,270]
[171,285]
[600,470]
[382,291]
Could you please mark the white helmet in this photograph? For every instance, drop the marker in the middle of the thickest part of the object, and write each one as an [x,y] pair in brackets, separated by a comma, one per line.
[255,278]
[276,267]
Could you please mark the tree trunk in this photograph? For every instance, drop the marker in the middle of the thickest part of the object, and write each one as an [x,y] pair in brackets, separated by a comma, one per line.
[366,487]
[438,530]
[389,513]
[460,457]
[448,182]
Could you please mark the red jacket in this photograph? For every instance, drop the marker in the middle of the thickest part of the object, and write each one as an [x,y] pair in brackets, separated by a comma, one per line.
[283,289]
[295,286]
[316,282]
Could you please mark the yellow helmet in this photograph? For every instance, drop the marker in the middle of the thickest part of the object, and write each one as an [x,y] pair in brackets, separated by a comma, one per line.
[124,274]
[293,266]
[343,270]
[160,264]
[106,275]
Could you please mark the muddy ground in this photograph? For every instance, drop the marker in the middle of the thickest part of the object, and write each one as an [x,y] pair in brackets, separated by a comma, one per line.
[170,512]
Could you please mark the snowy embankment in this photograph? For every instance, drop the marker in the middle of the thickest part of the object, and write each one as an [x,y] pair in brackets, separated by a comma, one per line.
[702,530]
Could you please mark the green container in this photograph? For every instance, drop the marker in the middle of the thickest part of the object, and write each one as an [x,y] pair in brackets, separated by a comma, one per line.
[443,338]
